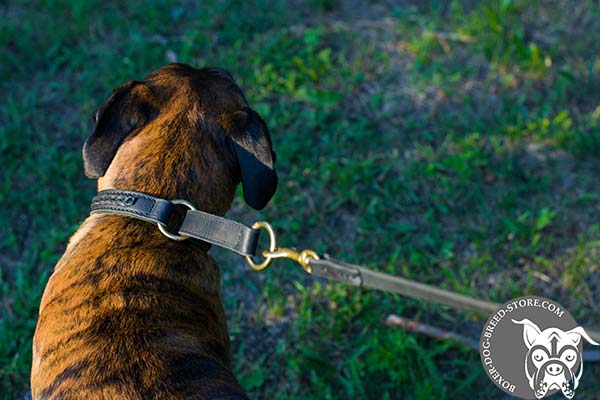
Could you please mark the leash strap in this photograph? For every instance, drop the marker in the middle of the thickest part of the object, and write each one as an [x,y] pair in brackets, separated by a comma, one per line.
[354,275]
[197,224]
[357,276]
[325,267]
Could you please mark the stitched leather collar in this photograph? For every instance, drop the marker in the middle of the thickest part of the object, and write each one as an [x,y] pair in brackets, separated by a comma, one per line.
[197,224]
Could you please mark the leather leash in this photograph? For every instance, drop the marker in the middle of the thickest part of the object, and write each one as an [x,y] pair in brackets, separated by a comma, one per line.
[243,240]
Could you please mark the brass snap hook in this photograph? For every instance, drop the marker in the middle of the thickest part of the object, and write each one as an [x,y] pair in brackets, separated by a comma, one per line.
[303,257]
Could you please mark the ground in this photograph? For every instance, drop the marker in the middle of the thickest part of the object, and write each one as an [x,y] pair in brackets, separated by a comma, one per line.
[455,143]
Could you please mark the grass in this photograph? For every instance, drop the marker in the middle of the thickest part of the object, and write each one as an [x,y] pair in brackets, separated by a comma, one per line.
[456,143]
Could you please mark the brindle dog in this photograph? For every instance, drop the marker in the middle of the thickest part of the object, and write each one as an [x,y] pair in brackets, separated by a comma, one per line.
[128,313]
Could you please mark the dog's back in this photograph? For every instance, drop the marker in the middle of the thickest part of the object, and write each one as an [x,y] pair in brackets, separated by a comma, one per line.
[141,321]
[128,313]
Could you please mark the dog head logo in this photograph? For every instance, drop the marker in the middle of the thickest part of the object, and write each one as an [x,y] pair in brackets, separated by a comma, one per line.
[553,360]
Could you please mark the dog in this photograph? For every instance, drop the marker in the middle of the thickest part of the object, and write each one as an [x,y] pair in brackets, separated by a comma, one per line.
[128,313]
[553,361]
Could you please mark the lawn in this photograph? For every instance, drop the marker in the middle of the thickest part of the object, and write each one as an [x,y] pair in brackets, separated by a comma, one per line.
[455,143]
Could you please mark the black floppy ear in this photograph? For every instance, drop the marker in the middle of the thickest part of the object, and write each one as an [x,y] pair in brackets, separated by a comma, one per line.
[122,113]
[255,156]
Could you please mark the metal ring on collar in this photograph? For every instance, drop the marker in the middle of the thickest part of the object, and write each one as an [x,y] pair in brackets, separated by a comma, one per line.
[272,246]
[163,229]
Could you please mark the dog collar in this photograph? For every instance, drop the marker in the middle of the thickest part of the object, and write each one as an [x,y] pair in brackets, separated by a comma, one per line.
[197,224]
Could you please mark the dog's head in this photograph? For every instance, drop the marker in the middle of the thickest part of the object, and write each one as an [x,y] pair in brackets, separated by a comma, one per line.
[553,360]
[182,133]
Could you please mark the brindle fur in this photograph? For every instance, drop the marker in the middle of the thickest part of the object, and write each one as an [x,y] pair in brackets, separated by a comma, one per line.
[128,313]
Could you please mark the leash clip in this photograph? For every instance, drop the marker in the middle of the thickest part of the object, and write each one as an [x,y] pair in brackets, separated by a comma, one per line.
[303,257]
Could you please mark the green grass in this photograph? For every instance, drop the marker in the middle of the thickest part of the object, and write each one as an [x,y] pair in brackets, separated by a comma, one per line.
[453,143]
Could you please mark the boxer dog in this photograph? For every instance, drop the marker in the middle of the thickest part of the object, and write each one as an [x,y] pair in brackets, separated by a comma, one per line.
[127,312]
[553,361]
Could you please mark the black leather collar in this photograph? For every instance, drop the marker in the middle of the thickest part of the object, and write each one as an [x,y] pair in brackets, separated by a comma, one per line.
[197,224]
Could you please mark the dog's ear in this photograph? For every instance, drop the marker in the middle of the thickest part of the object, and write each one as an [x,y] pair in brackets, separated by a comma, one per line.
[254,153]
[577,333]
[530,331]
[126,109]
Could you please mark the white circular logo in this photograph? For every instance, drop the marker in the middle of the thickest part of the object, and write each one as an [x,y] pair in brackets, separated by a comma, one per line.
[531,348]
